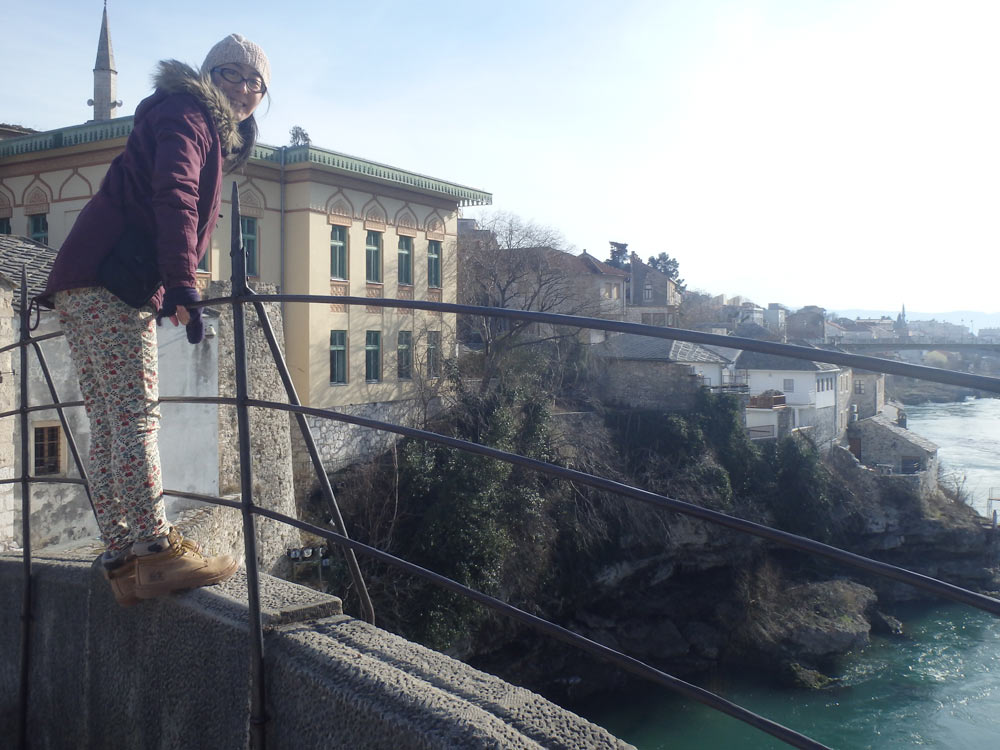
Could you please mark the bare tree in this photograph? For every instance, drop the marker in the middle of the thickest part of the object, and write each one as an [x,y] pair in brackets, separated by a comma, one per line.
[519,265]
[698,309]
[430,359]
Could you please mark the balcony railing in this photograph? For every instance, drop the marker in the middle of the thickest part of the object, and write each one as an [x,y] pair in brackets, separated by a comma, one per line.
[767,401]
[243,296]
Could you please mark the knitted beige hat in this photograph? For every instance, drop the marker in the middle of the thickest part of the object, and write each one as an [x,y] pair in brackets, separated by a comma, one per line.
[237,49]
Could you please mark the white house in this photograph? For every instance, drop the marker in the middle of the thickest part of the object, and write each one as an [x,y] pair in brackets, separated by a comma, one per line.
[812,391]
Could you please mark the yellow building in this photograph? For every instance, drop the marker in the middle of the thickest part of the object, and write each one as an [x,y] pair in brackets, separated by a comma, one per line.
[314,222]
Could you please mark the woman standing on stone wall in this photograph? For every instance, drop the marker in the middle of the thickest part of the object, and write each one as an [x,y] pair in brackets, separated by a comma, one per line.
[152,217]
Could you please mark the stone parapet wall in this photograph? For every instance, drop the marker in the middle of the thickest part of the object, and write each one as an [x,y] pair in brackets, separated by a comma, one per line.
[330,680]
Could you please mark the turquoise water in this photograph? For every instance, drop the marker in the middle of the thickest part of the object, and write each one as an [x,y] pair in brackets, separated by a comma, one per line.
[939,687]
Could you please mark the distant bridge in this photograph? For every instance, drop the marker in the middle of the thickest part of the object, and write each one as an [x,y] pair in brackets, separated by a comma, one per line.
[948,346]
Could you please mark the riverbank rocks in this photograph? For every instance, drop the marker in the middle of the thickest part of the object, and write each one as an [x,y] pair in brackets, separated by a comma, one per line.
[884,624]
[911,391]
[813,623]
[798,676]
[915,526]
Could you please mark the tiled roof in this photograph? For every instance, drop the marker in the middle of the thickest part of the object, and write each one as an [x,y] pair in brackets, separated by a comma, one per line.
[599,266]
[635,347]
[750,330]
[901,432]
[759,361]
[36,258]
[582,264]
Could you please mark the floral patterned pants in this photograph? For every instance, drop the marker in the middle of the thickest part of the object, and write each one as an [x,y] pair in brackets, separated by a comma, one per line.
[113,347]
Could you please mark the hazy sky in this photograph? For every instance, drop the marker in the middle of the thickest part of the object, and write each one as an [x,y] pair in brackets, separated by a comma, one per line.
[839,153]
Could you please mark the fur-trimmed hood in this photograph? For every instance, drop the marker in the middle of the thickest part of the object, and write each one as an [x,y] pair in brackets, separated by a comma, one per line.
[173,77]
[166,184]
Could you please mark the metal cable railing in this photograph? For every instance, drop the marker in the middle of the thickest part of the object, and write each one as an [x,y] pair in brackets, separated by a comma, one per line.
[242,295]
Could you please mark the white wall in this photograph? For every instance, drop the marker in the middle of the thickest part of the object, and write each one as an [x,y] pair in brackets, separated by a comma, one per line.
[827,394]
[709,370]
[188,434]
[804,392]
[762,418]
[189,442]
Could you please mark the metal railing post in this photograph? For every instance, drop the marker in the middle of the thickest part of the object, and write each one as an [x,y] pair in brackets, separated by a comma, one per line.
[26,613]
[324,481]
[258,716]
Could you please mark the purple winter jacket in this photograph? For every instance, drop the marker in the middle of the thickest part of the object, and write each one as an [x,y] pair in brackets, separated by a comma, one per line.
[167,182]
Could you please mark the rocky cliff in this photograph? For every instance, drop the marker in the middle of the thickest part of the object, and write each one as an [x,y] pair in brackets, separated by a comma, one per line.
[684,595]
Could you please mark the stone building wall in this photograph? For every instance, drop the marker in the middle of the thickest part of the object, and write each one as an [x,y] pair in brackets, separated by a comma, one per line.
[883,443]
[7,402]
[270,444]
[650,385]
[872,400]
[825,426]
[198,443]
[341,444]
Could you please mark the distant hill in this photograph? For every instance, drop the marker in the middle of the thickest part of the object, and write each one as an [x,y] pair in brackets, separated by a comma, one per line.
[975,318]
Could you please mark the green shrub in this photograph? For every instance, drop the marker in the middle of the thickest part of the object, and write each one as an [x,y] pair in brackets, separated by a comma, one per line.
[801,502]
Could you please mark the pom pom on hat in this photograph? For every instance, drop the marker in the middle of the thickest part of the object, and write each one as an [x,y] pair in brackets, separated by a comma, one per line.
[238,49]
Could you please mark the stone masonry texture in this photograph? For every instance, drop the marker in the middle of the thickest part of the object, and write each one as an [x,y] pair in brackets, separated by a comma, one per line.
[270,443]
[331,681]
[651,385]
[7,402]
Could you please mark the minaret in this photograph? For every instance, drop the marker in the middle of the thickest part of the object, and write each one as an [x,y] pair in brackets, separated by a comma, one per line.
[901,328]
[105,76]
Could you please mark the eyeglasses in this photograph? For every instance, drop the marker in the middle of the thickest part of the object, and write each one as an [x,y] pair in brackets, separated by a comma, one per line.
[254,84]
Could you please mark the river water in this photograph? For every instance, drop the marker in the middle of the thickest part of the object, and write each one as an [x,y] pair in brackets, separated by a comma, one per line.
[938,687]
[968,438]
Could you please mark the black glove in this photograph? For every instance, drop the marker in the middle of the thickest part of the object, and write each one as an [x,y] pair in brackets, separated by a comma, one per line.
[183,296]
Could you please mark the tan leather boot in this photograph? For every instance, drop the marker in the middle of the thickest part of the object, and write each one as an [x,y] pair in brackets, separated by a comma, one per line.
[180,566]
[122,580]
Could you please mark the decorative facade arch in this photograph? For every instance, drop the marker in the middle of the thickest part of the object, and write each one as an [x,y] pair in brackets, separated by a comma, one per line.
[339,210]
[406,222]
[37,197]
[75,186]
[6,209]
[7,199]
[251,203]
[434,227]
[375,215]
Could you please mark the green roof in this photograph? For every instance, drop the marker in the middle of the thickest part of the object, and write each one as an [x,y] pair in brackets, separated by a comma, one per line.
[71,136]
[120,127]
[465,196]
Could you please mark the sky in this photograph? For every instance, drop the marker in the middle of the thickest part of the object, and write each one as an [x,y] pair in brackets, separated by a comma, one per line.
[843,153]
